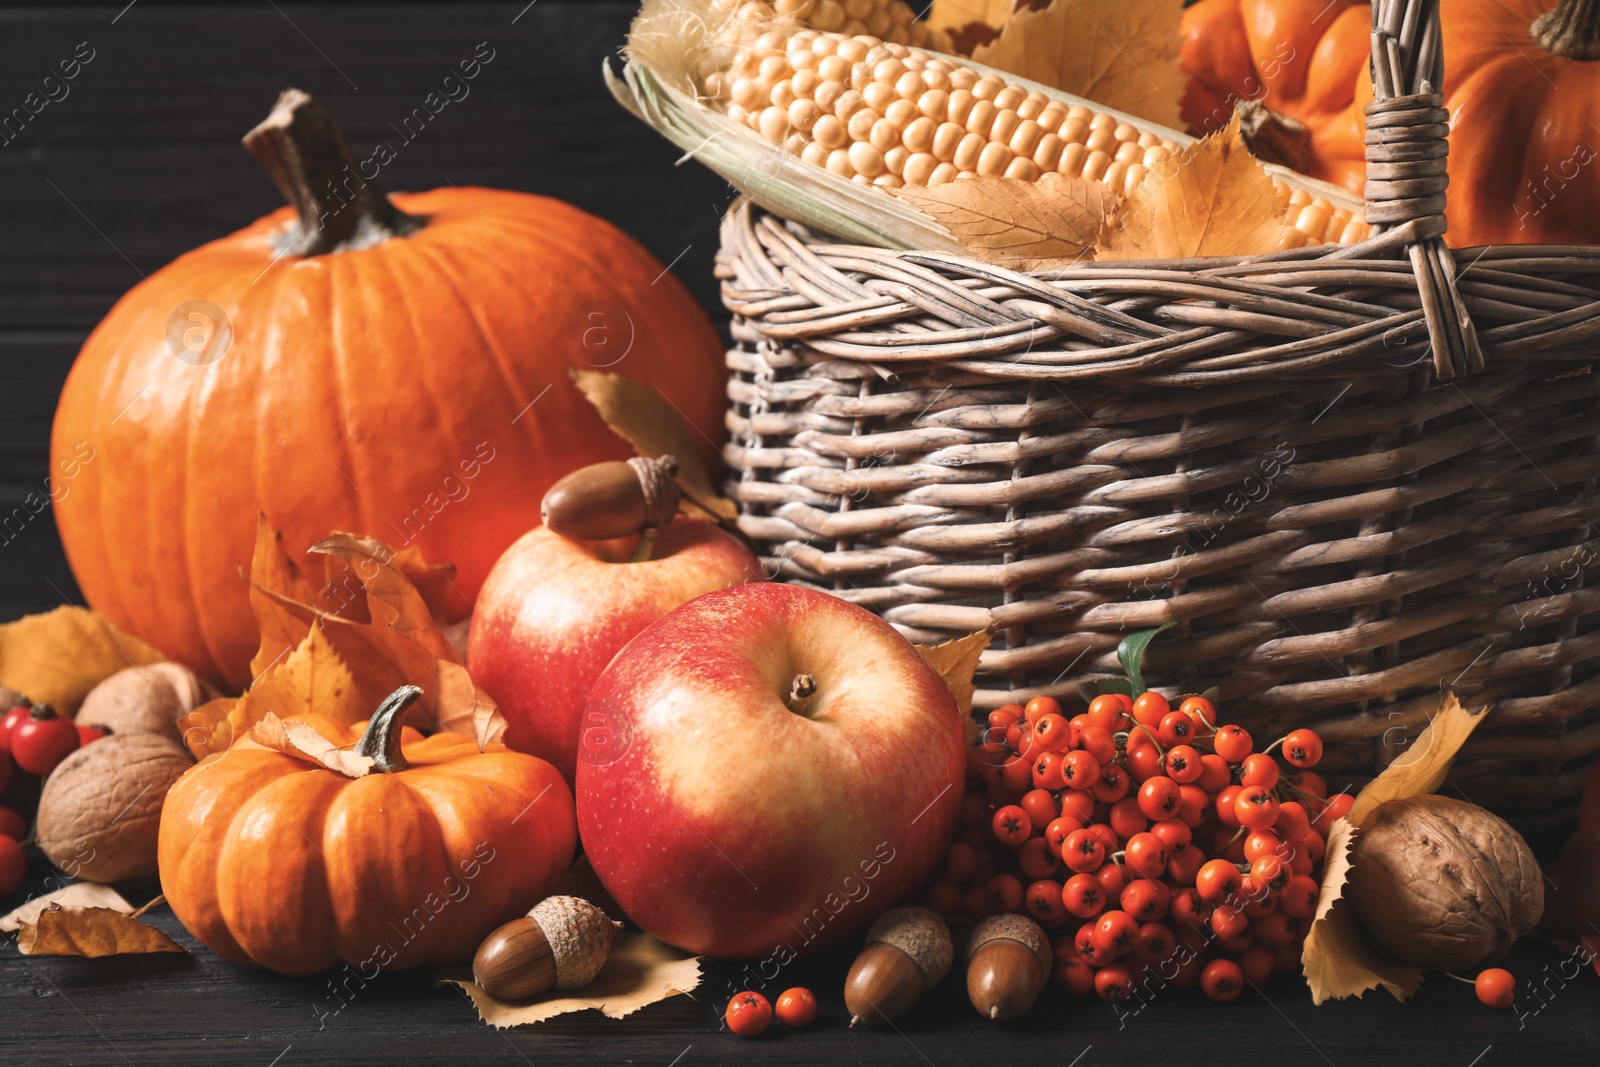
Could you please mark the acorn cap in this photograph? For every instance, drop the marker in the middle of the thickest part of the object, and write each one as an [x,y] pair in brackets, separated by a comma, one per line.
[1017,928]
[921,935]
[580,938]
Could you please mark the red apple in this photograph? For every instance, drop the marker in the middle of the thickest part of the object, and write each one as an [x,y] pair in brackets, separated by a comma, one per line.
[553,612]
[733,819]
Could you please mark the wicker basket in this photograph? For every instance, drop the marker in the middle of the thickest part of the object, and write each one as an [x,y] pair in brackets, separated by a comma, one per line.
[1354,475]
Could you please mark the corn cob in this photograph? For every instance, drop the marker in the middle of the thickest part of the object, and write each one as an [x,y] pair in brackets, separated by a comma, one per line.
[881,114]
[892,20]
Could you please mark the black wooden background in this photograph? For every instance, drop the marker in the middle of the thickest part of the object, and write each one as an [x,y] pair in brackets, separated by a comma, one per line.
[141,162]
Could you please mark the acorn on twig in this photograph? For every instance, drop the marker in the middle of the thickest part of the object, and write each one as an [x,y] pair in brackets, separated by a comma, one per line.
[562,944]
[613,499]
[908,952]
[1008,961]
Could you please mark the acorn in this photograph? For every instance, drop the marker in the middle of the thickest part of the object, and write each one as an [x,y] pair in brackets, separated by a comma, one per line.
[562,944]
[908,952]
[1008,962]
[613,499]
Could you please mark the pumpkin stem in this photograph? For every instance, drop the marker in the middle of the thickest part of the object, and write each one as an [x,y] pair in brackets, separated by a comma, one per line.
[1571,31]
[381,742]
[340,209]
[1274,137]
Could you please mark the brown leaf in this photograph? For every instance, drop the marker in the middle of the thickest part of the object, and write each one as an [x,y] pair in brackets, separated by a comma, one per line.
[1340,959]
[1212,198]
[1121,54]
[639,971]
[1043,225]
[281,622]
[302,741]
[75,894]
[956,661]
[57,657]
[313,679]
[957,14]
[91,932]
[648,421]
[433,581]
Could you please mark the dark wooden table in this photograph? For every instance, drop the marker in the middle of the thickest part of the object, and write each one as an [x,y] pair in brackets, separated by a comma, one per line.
[140,162]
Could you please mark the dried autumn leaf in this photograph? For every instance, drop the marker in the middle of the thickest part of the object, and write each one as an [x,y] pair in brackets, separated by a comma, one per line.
[955,14]
[313,679]
[640,415]
[1340,959]
[1212,198]
[57,657]
[302,741]
[639,971]
[277,586]
[957,661]
[91,933]
[1028,226]
[434,582]
[75,894]
[1122,54]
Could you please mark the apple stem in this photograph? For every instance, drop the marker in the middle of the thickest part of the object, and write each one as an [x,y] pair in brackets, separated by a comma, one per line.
[801,690]
[647,546]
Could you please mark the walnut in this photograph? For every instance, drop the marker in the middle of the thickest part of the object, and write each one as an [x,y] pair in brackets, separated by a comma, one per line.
[101,807]
[145,700]
[1442,883]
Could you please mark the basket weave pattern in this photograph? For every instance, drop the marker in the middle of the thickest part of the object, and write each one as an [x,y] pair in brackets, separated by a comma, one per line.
[1351,476]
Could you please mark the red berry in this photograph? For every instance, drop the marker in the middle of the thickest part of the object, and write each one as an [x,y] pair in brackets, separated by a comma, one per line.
[1272,872]
[1108,712]
[1192,805]
[1312,847]
[1016,775]
[1114,983]
[42,740]
[1261,843]
[1215,774]
[1011,824]
[1259,769]
[1233,743]
[13,824]
[1041,805]
[1174,833]
[1111,786]
[1146,855]
[1303,748]
[748,1014]
[1088,946]
[1079,805]
[1036,860]
[5,769]
[1299,897]
[1338,807]
[1293,823]
[796,1007]
[1158,798]
[945,898]
[1126,818]
[1053,733]
[1222,980]
[1083,896]
[86,734]
[1183,864]
[1080,769]
[1043,899]
[1005,893]
[1055,835]
[1075,976]
[1188,909]
[1146,899]
[1306,781]
[1111,880]
[1176,729]
[9,722]
[13,866]
[1229,923]
[1047,771]
[1275,930]
[1098,743]
[1202,711]
[1155,943]
[1116,931]
[1496,987]
[1003,716]
[1255,807]
[1183,764]
[1217,881]
[1150,709]
[1083,850]
[1144,762]
[1227,815]
[1039,707]
[1256,963]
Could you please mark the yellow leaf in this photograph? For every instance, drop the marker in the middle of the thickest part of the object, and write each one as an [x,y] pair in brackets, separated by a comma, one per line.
[302,741]
[956,14]
[1340,959]
[281,625]
[1043,225]
[640,415]
[957,661]
[1212,198]
[639,971]
[1122,54]
[90,932]
[57,657]
[311,680]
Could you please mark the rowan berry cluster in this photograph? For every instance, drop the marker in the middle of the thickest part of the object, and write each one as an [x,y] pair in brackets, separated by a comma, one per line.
[1155,844]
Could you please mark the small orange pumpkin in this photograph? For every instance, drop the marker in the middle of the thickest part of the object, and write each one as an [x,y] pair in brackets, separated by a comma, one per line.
[273,861]
[1298,59]
[396,366]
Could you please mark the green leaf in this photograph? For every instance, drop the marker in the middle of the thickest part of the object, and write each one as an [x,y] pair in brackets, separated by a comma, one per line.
[1131,653]
[1090,688]
[1214,694]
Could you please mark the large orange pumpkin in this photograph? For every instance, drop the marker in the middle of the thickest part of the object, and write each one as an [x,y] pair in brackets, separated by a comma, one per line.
[399,369]
[1297,58]
[1522,82]
[276,862]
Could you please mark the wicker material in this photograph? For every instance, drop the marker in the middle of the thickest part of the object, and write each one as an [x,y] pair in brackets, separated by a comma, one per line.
[1353,476]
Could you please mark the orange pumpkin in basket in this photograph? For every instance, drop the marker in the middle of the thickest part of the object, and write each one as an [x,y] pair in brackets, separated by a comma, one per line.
[396,367]
[1299,59]
[275,861]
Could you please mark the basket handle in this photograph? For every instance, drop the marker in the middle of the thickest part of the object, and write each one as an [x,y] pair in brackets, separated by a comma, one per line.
[1407,151]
